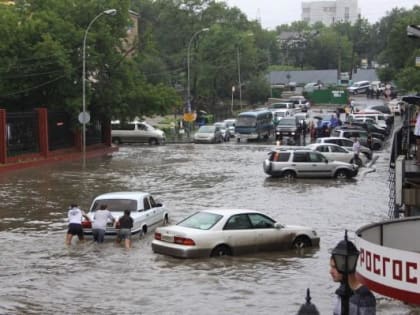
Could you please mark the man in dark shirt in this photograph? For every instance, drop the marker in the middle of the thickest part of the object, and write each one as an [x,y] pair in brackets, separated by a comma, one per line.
[125,224]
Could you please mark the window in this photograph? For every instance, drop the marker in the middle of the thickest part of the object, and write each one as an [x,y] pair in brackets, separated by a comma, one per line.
[338,149]
[238,222]
[300,157]
[146,204]
[260,221]
[322,148]
[316,157]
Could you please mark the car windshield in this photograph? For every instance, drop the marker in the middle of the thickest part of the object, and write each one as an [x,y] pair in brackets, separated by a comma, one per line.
[115,204]
[206,129]
[201,220]
[287,122]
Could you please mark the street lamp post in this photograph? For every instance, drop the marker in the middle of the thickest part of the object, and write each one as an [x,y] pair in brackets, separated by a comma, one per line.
[231,106]
[188,68]
[345,256]
[84,116]
[239,76]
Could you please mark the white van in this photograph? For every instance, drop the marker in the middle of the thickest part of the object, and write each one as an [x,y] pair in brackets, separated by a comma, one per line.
[136,132]
[379,117]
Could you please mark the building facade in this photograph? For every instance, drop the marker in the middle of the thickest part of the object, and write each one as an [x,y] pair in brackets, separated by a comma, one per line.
[329,12]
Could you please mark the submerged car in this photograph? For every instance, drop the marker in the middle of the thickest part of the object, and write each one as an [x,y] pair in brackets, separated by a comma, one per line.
[220,232]
[300,162]
[334,152]
[208,134]
[145,211]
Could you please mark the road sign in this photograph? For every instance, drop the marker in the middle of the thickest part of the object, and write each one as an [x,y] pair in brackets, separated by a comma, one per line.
[84,117]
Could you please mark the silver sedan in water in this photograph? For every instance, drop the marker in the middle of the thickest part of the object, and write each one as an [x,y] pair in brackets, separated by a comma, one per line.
[220,232]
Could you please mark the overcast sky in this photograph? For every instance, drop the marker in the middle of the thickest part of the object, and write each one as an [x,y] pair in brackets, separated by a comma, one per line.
[272,13]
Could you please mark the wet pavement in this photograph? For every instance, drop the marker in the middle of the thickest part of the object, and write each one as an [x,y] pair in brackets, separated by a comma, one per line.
[40,275]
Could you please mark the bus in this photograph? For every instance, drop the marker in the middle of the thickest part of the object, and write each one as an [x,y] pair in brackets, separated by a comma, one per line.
[254,125]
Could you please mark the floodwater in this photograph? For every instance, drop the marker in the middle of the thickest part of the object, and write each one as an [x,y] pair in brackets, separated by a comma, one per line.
[40,275]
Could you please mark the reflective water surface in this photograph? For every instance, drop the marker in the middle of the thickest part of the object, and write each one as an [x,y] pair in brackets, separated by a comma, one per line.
[40,275]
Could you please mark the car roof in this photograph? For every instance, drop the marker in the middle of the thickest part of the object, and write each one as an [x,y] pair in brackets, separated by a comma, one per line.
[123,195]
[228,211]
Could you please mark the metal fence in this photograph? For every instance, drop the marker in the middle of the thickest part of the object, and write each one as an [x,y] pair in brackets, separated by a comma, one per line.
[60,135]
[94,133]
[22,133]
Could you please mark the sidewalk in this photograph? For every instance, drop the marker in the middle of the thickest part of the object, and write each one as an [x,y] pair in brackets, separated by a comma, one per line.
[56,156]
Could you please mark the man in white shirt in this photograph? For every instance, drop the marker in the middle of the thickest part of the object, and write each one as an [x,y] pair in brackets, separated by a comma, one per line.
[100,220]
[75,216]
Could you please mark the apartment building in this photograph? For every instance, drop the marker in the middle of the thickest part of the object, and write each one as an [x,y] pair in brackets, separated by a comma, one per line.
[329,12]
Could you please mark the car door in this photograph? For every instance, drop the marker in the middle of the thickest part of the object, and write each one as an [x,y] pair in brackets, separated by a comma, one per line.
[157,210]
[340,154]
[240,235]
[143,132]
[149,211]
[268,237]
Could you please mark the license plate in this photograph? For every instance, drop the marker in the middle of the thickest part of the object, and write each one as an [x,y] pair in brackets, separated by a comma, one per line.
[168,238]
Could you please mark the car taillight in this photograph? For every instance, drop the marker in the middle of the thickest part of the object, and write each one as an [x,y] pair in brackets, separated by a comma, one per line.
[158,236]
[86,224]
[183,241]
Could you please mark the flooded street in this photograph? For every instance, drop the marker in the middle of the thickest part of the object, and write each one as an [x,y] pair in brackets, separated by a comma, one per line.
[40,275]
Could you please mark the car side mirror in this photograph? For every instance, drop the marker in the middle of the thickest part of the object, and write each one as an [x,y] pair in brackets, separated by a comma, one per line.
[278,226]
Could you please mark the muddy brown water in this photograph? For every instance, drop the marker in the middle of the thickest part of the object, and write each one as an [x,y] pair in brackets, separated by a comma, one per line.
[40,275]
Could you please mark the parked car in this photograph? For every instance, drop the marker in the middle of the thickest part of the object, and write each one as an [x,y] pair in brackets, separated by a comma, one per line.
[334,152]
[220,232]
[306,163]
[284,105]
[359,87]
[224,130]
[300,102]
[288,127]
[312,86]
[208,134]
[347,144]
[364,138]
[230,123]
[136,132]
[145,211]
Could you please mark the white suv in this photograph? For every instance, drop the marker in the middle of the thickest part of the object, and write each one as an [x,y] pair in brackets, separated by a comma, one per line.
[306,163]
[359,87]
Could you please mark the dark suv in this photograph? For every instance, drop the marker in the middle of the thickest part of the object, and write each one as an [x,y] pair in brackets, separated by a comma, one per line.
[288,127]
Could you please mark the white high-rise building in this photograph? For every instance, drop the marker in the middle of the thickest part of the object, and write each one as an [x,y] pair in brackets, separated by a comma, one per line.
[329,12]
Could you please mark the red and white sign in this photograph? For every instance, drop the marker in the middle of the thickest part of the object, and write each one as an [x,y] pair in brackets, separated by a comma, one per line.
[388,271]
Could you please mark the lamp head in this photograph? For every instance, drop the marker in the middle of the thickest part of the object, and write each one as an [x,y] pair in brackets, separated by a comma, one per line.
[110,12]
[205,29]
[345,256]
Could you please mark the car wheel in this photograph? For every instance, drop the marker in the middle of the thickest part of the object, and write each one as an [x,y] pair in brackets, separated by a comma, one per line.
[221,250]
[116,141]
[341,174]
[143,231]
[153,141]
[289,175]
[301,242]
[166,220]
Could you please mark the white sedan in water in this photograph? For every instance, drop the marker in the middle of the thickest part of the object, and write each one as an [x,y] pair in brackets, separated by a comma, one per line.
[219,232]
[145,211]
[334,152]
